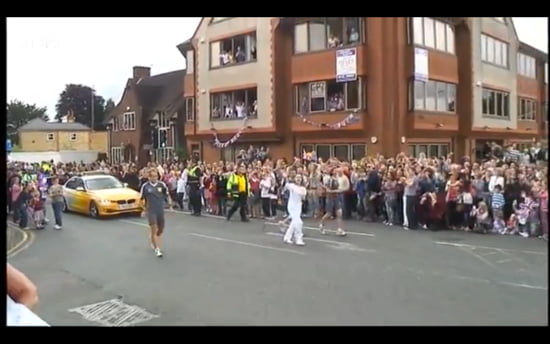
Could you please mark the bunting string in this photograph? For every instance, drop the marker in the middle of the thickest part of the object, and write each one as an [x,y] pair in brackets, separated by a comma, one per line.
[349,120]
[218,144]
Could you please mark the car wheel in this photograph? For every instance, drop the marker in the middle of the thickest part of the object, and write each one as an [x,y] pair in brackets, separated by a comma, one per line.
[65,207]
[94,212]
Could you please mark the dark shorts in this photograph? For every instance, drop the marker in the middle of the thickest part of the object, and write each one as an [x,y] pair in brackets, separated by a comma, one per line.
[156,218]
[334,203]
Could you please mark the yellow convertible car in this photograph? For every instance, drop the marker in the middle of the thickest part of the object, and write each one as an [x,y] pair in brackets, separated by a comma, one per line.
[100,195]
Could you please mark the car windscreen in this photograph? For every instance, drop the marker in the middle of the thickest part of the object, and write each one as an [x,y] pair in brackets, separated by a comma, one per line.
[103,183]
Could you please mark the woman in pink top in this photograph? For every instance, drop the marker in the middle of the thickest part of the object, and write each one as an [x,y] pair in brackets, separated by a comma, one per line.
[543,197]
[15,191]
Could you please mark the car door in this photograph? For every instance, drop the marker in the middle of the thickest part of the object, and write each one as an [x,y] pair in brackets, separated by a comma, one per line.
[69,193]
[81,198]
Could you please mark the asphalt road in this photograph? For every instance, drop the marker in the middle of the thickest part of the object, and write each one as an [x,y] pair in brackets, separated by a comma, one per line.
[229,273]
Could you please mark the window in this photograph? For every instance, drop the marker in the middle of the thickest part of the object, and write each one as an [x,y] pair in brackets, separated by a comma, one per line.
[432,33]
[129,121]
[495,103]
[526,66]
[234,50]
[433,96]
[323,152]
[189,109]
[328,96]
[50,136]
[163,120]
[190,62]
[494,51]
[116,155]
[341,152]
[430,150]
[358,151]
[73,137]
[116,123]
[527,109]
[234,105]
[313,34]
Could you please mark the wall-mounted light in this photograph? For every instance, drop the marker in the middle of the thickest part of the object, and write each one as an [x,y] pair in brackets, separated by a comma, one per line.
[127,108]
[202,40]
[486,127]
[403,139]
[203,91]
[374,139]
[439,125]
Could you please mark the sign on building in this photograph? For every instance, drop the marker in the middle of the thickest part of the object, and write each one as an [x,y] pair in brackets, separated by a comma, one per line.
[346,65]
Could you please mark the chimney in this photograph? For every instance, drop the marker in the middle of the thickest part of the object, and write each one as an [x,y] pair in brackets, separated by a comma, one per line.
[141,72]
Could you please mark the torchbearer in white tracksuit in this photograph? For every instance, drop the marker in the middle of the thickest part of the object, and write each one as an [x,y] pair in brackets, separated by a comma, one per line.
[297,193]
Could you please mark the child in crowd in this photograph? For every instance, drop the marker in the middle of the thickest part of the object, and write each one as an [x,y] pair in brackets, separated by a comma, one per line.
[482,219]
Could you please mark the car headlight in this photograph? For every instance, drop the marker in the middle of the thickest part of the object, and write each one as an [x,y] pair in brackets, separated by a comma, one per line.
[105,201]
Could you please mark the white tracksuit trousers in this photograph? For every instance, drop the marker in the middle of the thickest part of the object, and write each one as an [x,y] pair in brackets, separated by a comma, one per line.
[295,228]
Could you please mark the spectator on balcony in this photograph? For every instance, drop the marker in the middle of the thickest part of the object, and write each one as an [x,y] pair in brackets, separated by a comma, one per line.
[240,109]
[240,56]
[333,41]
[224,58]
[353,36]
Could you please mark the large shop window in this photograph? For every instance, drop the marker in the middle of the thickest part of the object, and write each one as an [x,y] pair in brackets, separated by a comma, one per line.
[494,51]
[328,96]
[495,104]
[234,105]
[430,150]
[313,34]
[341,151]
[433,34]
[433,96]
[527,66]
[234,50]
[527,109]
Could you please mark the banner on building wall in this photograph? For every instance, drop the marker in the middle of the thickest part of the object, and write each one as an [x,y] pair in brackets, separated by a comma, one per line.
[346,65]
[421,71]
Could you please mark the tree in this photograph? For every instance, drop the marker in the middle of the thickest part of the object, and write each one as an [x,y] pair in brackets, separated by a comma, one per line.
[109,106]
[18,114]
[78,100]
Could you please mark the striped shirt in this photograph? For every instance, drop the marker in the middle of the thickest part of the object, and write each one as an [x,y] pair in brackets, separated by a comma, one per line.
[497,201]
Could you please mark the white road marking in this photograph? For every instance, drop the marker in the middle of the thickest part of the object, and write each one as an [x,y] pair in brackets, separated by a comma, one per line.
[475,279]
[488,253]
[327,230]
[490,248]
[335,244]
[523,285]
[504,260]
[143,224]
[244,243]
[470,251]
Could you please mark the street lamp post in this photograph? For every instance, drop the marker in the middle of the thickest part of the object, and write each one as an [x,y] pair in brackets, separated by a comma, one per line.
[109,126]
[153,123]
[92,107]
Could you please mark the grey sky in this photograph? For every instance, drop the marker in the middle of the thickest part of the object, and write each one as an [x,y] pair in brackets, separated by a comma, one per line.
[44,54]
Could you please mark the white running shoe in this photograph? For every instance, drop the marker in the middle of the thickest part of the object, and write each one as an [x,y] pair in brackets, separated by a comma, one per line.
[287,241]
[57,227]
[158,252]
[300,243]
[322,229]
[340,232]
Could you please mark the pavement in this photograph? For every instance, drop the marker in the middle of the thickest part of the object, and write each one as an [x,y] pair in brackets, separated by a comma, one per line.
[216,272]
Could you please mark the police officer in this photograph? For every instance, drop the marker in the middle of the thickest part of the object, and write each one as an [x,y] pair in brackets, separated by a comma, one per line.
[193,181]
[238,187]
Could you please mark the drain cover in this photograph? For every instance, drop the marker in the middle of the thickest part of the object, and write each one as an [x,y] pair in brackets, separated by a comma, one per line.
[114,313]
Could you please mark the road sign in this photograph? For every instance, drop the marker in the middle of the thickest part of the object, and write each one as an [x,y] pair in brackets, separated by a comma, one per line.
[8,145]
